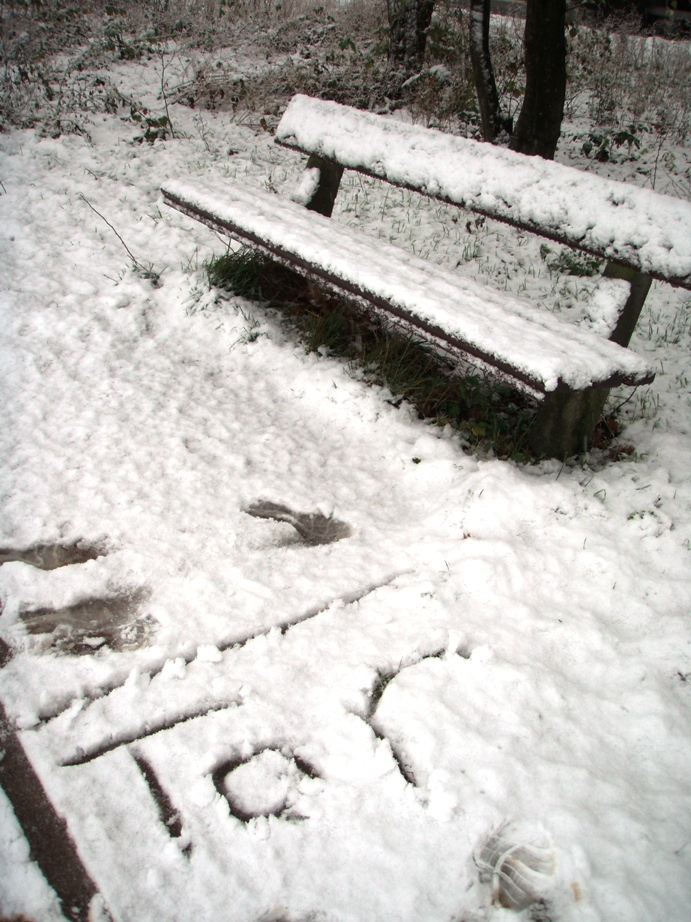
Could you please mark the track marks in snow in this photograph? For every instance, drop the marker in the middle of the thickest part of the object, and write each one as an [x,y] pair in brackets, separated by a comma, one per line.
[170,817]
[313,527]
[115,620]
[234,642]
[84,755]
[384,679]
[276,759]
[266,783]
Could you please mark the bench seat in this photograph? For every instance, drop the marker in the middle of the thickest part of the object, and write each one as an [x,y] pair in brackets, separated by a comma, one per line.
[535,350]
[637,228]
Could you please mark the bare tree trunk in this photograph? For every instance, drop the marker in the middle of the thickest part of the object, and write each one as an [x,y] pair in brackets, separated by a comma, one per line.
[539,123]
[409,21]
[492,120]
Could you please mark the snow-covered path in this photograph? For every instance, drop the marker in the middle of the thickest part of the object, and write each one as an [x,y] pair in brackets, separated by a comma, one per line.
[491,643]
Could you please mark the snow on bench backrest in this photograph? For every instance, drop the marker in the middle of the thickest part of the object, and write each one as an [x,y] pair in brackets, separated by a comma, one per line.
[637,227]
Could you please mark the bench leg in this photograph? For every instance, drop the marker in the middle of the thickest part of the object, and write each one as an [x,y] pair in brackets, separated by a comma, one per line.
[628,318]
[566,420]
[324,196]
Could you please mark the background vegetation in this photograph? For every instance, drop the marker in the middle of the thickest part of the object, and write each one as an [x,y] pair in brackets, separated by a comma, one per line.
[54,58]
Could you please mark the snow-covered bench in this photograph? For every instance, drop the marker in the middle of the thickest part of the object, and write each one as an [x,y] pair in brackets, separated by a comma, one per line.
[642,235]
[533,349]
[635,228]
[569,368]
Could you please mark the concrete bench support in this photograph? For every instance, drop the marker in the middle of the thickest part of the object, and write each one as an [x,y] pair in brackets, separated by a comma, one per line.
[566,420]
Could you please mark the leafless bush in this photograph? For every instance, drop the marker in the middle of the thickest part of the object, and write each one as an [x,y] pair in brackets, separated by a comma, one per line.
[333,52]
[51,52]
[621,79]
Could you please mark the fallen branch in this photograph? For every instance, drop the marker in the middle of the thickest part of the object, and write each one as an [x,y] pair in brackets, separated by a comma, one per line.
[148,273]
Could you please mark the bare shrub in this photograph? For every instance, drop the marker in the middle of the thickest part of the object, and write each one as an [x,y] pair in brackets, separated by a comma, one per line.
[619,79]
[335,53]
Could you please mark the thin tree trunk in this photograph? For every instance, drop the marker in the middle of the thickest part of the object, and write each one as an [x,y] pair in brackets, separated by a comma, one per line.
[409,21]
[539,124]
[492,121]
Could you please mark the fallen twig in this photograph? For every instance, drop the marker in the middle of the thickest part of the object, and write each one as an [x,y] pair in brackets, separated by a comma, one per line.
[146,272]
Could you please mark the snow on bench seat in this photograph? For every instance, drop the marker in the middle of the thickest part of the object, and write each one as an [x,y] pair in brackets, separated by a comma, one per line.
[537,350]
[644,230]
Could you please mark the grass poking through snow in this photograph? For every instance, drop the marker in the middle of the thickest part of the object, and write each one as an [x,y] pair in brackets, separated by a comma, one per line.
[489,416]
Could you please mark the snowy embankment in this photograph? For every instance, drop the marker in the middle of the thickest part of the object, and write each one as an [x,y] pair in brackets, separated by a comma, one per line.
[491,643]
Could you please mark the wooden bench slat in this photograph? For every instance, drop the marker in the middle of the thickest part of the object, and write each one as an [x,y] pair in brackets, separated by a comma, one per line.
[537,350]
[635,227]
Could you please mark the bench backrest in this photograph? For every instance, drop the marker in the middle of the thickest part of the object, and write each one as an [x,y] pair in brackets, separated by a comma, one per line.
[638,228]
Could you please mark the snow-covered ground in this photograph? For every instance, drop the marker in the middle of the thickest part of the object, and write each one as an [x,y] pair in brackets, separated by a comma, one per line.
[483,687]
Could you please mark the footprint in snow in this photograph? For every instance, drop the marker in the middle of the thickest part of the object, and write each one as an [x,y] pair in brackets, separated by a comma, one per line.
[118,622]
[51,556]
[313,527]
[519,860]
[115,621]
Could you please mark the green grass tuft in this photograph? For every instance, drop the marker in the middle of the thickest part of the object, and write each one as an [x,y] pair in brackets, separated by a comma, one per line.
[569,262]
